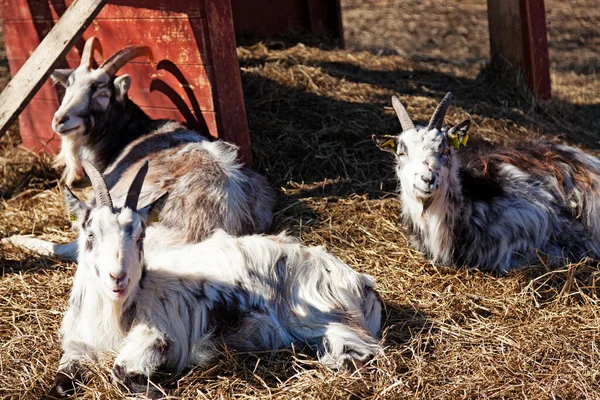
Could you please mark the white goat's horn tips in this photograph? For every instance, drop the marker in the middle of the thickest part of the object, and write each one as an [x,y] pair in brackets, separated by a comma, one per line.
[402,114]
[91,46]
[136,187]
[115,62]
[100,189]
[437,119]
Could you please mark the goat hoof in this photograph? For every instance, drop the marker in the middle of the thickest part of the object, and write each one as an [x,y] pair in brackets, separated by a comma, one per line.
[135,382]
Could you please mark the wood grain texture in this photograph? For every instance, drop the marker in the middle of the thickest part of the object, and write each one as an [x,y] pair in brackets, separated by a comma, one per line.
[50,10]
[535,48]
[24,85]
[227,81]
[518,37]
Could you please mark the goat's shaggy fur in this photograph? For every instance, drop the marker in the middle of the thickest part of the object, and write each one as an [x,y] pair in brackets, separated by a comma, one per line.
[175,306]
[497,209]
[208,187]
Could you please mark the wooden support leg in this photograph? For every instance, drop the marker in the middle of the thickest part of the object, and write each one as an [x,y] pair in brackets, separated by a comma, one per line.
[518,37]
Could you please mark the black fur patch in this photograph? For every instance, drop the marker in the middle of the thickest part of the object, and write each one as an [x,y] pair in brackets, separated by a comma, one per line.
[479,188]
[65,382]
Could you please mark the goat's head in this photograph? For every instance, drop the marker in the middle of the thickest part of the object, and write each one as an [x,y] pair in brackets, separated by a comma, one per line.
[425,155]
[90,92]
[111,239]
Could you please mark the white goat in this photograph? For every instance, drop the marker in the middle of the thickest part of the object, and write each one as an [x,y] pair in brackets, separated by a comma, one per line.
[496,209]
[208,187]
[175,306]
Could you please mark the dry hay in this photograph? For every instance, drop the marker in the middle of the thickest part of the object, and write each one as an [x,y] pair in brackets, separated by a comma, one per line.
[449,333]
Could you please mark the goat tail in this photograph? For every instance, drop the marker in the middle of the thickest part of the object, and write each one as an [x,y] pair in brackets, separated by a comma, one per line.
[63,252]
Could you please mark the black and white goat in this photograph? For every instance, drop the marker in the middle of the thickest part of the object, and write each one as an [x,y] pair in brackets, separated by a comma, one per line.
[498,209]
[208,187]
[169,308]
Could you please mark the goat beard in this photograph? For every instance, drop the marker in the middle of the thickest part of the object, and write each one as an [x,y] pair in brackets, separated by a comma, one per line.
[113,310]
[426,203]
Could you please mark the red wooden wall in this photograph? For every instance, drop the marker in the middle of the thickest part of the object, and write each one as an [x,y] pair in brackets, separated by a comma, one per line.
[196,79]
[269,17]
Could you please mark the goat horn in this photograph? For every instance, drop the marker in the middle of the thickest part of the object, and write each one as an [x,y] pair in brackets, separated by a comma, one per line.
[91,46]
[136,187]
[402,114]
[115,62]
[100,189]
[437,119]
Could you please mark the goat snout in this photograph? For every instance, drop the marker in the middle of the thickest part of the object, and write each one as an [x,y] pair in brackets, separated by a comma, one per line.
[429,179]
[118,277]
[61,119]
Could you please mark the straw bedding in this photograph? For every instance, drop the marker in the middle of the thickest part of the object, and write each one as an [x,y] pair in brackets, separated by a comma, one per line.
[448,333]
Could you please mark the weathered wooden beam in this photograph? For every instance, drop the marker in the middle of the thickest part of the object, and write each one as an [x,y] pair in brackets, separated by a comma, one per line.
[25,84]
[227,81]
[518,37]
[535,47]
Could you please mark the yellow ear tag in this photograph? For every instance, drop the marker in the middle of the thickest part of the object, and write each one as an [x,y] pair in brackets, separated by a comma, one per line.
[454,142]
[390,143]
[72,217]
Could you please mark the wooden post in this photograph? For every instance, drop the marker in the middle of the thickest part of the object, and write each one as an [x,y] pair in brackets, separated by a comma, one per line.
[25,84]
[227,91]
[518,37]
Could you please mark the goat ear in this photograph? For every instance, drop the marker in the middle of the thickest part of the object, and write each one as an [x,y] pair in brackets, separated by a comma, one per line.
[457,135]
[122,85]
[77,209]
[386,142]
[61,76]
[151,212]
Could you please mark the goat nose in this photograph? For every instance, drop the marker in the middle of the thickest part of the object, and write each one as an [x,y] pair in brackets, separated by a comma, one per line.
[61,119]
[430,180]
[118,276]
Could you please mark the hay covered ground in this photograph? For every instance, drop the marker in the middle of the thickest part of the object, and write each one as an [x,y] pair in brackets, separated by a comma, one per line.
[449,333]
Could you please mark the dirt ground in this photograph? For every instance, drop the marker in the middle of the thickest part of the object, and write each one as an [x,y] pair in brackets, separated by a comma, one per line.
[448,333]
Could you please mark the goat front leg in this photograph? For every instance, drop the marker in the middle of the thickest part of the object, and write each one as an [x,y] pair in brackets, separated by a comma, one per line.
[146,351]
[347,347]
[64,252]
[71,370]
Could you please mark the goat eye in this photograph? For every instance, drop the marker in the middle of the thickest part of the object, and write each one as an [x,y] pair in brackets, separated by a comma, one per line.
[91,236]
[446,152]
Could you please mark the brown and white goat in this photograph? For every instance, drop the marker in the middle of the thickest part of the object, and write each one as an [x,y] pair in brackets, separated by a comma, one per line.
[496,209]
[208,187]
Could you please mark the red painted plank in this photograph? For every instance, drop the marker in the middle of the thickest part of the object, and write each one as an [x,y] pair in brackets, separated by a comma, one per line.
[172,39]
[176,39]
[227,86]
[535,47]
[48,10]
[36,129]
[207,119]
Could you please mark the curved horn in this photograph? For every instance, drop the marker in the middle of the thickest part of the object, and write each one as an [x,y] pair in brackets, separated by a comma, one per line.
[91,46]
[100,189]
[437,119]
[136,187]
[115,62]
[405,120]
